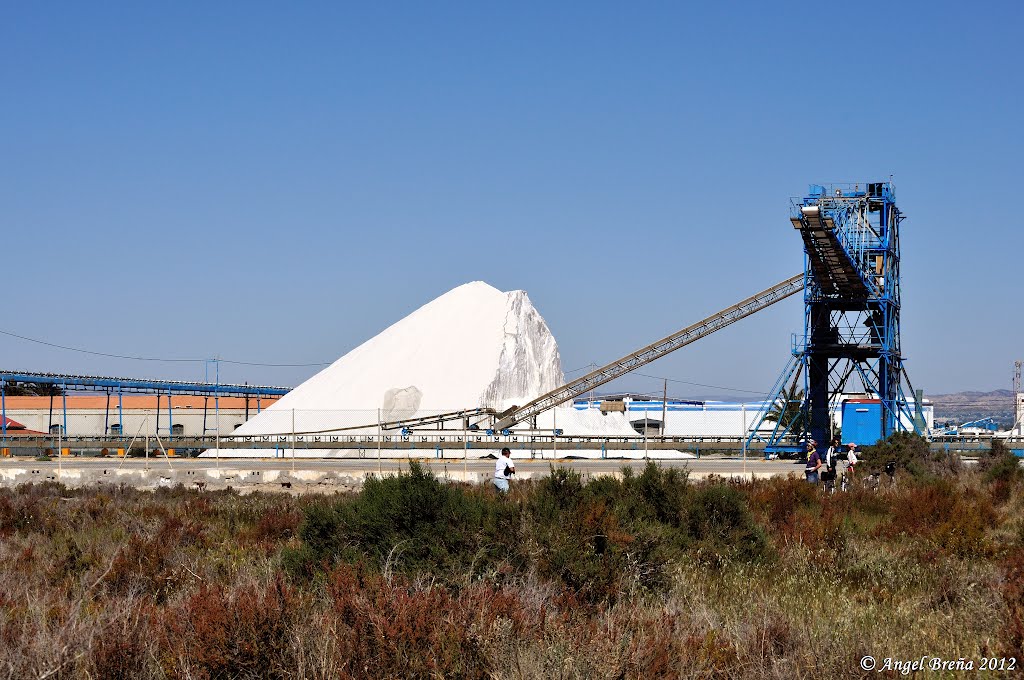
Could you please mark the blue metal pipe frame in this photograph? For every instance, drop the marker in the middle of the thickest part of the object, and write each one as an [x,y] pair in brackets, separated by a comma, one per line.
[134,385]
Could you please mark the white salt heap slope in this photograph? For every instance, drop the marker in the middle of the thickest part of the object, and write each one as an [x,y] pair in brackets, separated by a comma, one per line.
[473,346]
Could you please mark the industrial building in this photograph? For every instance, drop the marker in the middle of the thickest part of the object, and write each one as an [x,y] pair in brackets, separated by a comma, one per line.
[684,418]
[193,416]
[89,415]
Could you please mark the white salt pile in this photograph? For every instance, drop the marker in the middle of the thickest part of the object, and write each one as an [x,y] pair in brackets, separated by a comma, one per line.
[474,346]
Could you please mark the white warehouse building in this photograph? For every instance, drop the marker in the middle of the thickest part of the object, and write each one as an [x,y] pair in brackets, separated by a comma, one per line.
[682,418]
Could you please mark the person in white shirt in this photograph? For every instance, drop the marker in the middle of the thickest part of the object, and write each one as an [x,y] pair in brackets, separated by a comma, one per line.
[851,457]
[504,468]
[831,465]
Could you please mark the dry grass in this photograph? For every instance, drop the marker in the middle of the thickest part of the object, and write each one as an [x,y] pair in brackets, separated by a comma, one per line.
[117,583]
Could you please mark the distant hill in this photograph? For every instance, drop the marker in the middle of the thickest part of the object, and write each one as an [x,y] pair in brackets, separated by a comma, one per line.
[961,407]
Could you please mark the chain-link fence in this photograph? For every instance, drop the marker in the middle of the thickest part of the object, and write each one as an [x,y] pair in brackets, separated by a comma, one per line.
[644,430]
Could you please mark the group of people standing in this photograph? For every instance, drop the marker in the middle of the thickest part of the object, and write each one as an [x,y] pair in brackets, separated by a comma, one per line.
[832,465]
[825,469]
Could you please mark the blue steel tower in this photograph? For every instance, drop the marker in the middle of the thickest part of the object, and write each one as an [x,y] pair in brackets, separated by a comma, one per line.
[851,339]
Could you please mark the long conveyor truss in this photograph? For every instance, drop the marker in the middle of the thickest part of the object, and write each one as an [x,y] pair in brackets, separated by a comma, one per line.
[652,352]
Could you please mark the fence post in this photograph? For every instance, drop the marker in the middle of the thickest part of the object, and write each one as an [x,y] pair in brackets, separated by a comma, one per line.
[554,434]
[743,435]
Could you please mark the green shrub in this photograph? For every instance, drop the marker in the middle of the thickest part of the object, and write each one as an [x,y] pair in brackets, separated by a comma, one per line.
[559,492]
[321,536]
[658,494]
[1000,465]
[599,540]
[587,551]
[321,529]
[911,453]
[612,536]
[722,526]
[411,522]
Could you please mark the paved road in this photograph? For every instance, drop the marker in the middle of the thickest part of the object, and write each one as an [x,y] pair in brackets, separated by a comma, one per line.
[698,467]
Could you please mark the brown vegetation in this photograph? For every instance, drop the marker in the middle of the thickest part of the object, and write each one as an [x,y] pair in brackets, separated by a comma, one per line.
[648,576]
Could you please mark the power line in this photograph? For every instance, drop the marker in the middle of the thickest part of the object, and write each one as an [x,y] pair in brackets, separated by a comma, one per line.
[592,366]
[257,363]
[236,362]
[161,359]
[716,387]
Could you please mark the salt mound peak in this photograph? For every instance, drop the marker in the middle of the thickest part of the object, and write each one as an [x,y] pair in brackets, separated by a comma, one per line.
[472,346]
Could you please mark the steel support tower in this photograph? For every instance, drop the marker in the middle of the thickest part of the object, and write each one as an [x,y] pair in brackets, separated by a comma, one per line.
[851,339]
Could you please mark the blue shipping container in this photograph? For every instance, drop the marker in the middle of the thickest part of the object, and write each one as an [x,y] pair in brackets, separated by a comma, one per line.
[862,421]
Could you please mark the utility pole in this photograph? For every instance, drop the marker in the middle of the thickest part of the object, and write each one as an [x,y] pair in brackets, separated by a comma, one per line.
[1018,400]
[554,433]
[664,405]
[743,435]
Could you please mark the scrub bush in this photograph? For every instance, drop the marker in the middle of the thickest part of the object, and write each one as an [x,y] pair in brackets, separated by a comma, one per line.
[614,536]
[411,522]
[912,454]
[242,633]
[657,494]
[778,498]
[1001,470]
[645,576]
[560,491]
[383,625]
[1013,595]
[722,527]
[952,518]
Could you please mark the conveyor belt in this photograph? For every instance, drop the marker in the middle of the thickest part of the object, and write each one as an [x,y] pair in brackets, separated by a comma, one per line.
[653,351]
[833,270]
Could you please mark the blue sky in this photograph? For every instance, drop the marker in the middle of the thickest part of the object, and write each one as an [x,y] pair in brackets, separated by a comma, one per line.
[277,183]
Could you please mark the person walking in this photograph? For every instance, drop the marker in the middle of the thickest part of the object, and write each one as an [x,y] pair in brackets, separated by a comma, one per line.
[813,465]
[504,468]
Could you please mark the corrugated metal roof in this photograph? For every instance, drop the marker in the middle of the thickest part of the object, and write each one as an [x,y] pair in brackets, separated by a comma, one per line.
[10,424]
